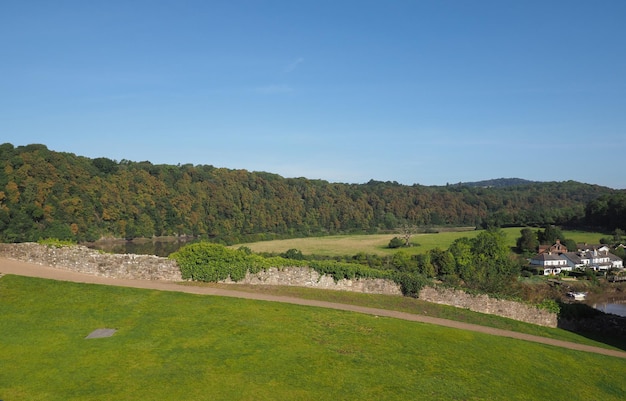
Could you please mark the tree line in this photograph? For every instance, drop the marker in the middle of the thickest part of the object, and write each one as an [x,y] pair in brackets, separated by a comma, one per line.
[49,194]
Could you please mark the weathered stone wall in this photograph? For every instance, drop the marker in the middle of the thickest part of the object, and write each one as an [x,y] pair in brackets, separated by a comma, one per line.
[129,266]
[84,260]
[492,306]
[305,277]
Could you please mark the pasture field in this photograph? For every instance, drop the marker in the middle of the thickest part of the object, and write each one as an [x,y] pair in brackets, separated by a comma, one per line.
[176,346]
[337,245]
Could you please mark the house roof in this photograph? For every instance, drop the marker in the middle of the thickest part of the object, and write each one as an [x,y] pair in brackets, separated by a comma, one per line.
[556,247]
[574,257]
[546,256]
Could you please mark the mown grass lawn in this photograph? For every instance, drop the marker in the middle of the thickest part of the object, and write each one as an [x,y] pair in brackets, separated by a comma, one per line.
[176,346]
[340,245]
[420,307]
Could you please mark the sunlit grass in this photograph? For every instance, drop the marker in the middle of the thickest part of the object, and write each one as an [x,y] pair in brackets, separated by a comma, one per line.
[339,245]
[418,307]
[175,346]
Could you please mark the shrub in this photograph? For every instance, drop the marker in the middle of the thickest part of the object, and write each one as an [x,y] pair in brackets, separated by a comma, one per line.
[410,283]
[396,242]
[550,305]
[293,254]
[209,262]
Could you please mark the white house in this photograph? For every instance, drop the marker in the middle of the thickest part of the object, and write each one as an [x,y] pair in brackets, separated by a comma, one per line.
[597,258]
[551,263]
[616,261]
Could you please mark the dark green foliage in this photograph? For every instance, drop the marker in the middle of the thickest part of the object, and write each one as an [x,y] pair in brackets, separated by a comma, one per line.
[410,283]
[293,254]
[570,244]
[343,270]
[104,165]
[550,234]
[528,242]
[620,252]
[618,236]
[482,263]
[425,266]
[607,212]
[443,262]
[396,242]
[204,261]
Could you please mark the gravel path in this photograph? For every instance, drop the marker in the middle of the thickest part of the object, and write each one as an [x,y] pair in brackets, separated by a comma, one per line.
[9,266]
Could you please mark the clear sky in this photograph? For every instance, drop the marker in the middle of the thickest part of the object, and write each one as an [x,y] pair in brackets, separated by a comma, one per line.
[418,92]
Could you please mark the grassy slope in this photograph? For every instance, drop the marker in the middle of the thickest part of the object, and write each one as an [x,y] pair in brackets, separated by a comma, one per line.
[173,346]
[419,307]
[377,243]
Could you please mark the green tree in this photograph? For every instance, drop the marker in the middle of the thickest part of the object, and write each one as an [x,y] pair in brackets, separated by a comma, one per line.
[550,234]
[570,244]
[443,262]
[528,242]
[618,236]
[425,266]
[401,260]
[461,250]
[494,268]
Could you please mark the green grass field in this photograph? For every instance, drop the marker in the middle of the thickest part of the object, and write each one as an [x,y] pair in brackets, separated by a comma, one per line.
[378,243]
[175,346]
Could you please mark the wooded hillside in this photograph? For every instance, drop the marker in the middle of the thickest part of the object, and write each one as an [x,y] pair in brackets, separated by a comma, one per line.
[45,193]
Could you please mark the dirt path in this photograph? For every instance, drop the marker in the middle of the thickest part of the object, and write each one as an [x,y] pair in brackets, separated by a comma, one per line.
[9,266]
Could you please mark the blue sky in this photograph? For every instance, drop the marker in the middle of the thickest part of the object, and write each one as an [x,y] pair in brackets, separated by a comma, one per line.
[425,92]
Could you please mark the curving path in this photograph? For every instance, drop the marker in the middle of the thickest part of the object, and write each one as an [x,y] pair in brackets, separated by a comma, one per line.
[10,266]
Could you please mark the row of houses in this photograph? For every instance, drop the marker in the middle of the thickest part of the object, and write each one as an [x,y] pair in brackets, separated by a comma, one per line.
[556,258]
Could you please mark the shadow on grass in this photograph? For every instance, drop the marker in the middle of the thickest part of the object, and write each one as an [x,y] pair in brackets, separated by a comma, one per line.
[594,324]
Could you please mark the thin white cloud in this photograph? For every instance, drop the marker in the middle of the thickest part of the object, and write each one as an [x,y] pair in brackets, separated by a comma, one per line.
[294,64]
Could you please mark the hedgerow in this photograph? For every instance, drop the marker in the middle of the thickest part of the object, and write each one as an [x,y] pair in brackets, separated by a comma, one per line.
[209,262]
[204,261]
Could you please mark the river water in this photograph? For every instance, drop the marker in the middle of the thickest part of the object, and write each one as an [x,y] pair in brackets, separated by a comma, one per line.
[614,307]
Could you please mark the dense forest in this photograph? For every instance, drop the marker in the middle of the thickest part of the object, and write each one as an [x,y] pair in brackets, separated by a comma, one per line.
[49,194]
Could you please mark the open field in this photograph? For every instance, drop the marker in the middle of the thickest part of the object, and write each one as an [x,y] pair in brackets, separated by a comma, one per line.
[377,243]
[173,346]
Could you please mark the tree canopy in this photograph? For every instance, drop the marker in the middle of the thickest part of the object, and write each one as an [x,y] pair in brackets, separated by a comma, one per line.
[44,194]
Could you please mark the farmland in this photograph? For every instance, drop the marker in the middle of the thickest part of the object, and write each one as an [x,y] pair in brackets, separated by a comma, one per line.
[378,243]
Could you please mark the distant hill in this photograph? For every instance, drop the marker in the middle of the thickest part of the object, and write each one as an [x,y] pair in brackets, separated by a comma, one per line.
[497,183]
[49,194]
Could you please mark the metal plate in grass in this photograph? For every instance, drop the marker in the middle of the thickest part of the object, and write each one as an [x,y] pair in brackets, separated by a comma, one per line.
[101,333]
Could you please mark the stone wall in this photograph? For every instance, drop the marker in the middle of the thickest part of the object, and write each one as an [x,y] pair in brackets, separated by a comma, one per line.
[305,277]
[84,260]
[492,306]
